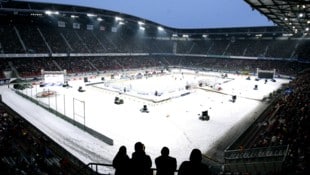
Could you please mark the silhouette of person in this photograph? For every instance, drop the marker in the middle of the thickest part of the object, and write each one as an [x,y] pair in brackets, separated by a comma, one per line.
[141,163]
[165,164]
[194,165]
[121,162]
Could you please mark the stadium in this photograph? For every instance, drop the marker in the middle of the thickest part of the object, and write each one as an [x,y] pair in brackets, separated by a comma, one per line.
[77,83]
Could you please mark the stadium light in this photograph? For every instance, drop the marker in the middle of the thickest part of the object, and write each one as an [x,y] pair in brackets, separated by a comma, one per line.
[160,28]
[185,35]
[99,19]
[36,14]
[287,34]
[117,18]
[121,23]
[142,28]
[204,35]
[140,23]
[74,16]
[49,12]
[91,15]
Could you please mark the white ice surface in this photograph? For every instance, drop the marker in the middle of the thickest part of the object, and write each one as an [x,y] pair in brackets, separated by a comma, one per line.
[174,123]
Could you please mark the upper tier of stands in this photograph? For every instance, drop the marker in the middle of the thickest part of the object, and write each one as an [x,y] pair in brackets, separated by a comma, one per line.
[43,35]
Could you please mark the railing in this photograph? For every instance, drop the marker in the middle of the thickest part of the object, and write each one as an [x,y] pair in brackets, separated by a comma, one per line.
[107,169]
[101,168]
[267,159]
[276,152]
[255,168]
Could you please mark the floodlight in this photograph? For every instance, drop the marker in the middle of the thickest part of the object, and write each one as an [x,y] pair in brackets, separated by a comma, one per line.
[99,19]
[121,23]
[74,16]
[185,36]
[48,12]
[160,28]
[142,28]
[91,15]
[117,18]
[307,29]
[287,34]
[35,14]
[204,35]
[140,23]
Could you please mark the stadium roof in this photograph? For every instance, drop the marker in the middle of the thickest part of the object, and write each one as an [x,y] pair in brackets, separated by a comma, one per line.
[293,15]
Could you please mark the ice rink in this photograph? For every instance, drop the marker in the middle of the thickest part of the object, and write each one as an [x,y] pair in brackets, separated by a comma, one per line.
[172,120]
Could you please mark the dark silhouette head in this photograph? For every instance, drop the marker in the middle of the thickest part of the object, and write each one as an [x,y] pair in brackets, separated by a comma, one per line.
[165,151]
[139,147]
[122,150]
[195,156]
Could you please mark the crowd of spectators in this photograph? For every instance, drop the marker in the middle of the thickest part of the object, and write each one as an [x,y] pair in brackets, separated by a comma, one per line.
[90,39]
[55,40]
[9,40]
[218,47]
[75,41]
[39,37]
[75,65]
[25,150]
[256,48]
[238,48]
[281,48]
[290,125]
[286,123]
[303,51]
[32,39]
[31,67]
